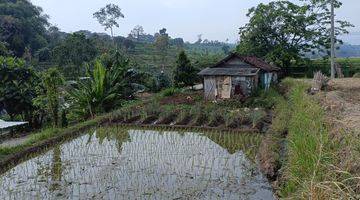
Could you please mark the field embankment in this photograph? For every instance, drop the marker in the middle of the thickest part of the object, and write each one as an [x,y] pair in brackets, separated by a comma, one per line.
[313,166]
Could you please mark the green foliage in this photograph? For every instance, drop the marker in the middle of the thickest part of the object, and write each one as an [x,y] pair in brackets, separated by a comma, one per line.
[282,31]
[137,33]
[22,25]
[184,116]
[199,115]
[170,92]
[216,117]
[256,116]
[105,89]
[52,81]
[152,109]
[108,16]
[163,81]
[91,96]
[75,50]
[263,99]
[234,118]
[185,74]
[17,88]
[308,142]
[282,113]
[64,120]
[3,50]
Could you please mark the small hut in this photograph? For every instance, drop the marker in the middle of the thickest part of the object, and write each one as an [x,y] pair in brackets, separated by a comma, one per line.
[237,76]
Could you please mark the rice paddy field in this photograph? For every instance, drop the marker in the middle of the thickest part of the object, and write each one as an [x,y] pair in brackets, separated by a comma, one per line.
[115,162]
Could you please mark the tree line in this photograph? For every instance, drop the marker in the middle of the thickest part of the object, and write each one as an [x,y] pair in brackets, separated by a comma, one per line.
[49,76]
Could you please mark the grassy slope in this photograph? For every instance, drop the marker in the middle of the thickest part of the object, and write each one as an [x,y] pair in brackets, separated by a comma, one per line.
[309,169]
[149,59]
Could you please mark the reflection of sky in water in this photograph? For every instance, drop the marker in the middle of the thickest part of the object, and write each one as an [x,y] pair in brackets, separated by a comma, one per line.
[136,165]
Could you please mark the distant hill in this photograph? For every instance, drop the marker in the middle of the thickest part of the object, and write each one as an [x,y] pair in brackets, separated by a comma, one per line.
[348,50]
[344,51]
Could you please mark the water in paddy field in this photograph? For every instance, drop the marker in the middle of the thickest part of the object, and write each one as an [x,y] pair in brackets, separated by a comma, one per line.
[118,163]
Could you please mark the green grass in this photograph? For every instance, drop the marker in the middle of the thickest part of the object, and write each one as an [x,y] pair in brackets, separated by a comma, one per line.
[308,143]
[309,171]
[170,92]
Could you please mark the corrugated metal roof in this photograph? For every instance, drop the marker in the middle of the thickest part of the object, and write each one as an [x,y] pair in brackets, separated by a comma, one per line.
[225,68]
[4,124]
[229,72]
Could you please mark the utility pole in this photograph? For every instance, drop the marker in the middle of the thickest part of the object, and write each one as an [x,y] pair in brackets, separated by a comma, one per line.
[332,40]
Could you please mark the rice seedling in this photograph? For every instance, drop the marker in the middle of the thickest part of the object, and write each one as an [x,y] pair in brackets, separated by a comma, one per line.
[168,115]
[184,117]
[199,115]
[150,112]
[256,116]
[216,117]
[234,118]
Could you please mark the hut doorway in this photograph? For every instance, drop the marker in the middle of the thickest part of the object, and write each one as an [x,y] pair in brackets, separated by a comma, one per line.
[238,90]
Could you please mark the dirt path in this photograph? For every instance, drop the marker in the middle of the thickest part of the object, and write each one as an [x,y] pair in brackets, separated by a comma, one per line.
[12,142]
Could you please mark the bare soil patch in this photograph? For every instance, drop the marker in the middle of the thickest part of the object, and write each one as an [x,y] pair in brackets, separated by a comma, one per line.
[342,103]
[181,98]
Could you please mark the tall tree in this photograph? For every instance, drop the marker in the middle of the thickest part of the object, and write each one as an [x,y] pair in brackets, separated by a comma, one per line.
[321,11]
[52,81]
[22,25]
[282,31]
[162,44]
[137,32]
[108,17]
[17,88]
[185,74]
[75,50]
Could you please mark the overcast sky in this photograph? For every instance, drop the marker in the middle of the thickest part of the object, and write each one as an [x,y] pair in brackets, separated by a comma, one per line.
[215,19]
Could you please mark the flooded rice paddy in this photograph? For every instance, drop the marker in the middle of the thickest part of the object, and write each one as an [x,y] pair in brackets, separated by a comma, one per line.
[119,163]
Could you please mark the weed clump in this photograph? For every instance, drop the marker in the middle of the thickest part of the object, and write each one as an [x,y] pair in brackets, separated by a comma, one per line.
[199,115]
[167,115]
[184,117]
[170,92]
[216,118]
[256,116]
[234,118]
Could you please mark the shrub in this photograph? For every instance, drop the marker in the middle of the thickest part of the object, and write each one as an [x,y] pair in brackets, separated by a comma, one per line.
[216,117]
[234,118]
[184,117]
[256,116]
[170,92]
[198,114]
[153,108]
[167,115]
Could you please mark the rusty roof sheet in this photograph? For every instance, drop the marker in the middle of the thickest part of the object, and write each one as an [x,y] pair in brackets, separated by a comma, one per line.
[251,60]
[212,71]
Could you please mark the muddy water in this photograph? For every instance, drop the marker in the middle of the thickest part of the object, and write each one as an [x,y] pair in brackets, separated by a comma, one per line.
[114,163]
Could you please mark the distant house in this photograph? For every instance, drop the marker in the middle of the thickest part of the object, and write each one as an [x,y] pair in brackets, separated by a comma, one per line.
[237,76]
